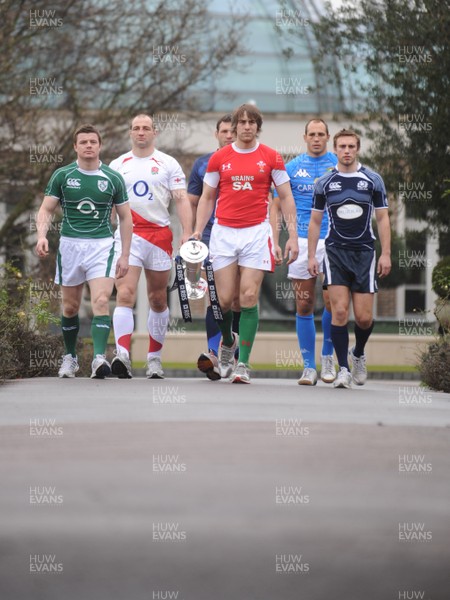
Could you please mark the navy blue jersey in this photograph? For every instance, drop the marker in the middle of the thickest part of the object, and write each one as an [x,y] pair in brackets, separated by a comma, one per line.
[303,171]
[195,184]
[350,199]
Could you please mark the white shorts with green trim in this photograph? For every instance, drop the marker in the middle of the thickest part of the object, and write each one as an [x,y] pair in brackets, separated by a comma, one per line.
[79,260]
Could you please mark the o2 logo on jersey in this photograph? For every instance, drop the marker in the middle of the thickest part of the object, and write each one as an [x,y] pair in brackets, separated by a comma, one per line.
[141,189]
[86,207]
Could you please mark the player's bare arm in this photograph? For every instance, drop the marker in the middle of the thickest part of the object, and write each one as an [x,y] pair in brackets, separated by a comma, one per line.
[113,217]
[313,237]
[184,212]
[204,210]
[384,231]
[44,219]
[126,230]
[275,223]
[193,200]
[289,212]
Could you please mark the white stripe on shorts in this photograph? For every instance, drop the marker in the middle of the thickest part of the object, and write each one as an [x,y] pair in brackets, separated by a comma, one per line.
[326,264]
[372,274]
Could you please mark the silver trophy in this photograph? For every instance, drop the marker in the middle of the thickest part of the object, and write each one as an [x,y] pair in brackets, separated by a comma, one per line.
[193,254]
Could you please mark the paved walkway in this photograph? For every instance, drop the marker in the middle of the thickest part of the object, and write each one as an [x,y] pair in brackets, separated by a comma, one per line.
[193,490]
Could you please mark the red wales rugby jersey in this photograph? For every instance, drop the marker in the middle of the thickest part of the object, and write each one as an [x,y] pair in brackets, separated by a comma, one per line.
[245,178]
[150,182]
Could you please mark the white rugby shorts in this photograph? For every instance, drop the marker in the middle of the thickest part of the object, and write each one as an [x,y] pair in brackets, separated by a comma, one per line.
[82,259]
[147,255]
[299,268]
[248,246]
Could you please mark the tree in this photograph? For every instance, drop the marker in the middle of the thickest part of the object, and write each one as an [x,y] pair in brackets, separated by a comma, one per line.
[96,61]
[392,77]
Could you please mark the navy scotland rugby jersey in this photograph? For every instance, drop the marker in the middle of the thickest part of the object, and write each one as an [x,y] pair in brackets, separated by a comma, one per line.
[350,199]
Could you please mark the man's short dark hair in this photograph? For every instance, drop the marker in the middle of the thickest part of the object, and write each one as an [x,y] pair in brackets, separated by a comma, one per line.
[225,119]
[252,113]
[87,128]
[316,120]
[140,115]
[345,133]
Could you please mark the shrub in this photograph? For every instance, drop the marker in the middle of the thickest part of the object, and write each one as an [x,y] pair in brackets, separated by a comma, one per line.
[29,349]
[440,278]
[434,365]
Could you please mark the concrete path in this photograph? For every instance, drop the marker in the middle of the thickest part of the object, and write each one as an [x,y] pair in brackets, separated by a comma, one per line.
[193,490]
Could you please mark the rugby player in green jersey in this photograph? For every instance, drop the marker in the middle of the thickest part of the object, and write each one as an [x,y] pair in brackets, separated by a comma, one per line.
[86,190]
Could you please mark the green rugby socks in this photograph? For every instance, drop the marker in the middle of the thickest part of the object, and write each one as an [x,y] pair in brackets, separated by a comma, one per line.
[70,327]
[100,332]
[248,326]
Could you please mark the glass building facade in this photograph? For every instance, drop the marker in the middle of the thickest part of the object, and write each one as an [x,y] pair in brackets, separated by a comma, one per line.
[277,70]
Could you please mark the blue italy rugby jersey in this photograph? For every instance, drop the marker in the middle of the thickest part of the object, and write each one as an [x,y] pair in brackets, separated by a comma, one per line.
[303,171]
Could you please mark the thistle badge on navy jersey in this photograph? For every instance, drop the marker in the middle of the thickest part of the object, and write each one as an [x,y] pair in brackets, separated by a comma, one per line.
[102,185]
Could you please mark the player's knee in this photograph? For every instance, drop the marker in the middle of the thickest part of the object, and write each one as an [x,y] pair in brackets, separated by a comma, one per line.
[340,315]
[70,309]
[158,301]
[248,298]
[126,296]
[100,303]
[364,321]
[305,306]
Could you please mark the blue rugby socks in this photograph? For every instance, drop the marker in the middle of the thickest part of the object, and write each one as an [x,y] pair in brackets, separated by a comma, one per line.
[327,345]
[213,332]
[306,334]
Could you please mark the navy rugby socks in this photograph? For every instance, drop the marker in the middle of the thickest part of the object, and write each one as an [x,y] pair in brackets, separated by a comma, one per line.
[339,335]
[361,337]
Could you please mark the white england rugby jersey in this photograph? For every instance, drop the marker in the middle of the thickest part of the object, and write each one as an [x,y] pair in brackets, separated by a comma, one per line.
[149,182]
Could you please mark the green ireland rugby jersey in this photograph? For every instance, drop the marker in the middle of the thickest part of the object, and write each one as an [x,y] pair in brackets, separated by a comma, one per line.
[87,198]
